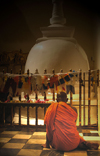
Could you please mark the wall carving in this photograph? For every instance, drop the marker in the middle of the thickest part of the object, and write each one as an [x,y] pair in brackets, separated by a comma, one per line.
[14,59]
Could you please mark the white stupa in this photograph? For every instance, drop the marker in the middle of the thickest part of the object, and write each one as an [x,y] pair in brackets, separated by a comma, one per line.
[57,49]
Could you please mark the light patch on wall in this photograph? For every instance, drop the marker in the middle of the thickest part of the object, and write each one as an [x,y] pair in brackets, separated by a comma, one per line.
[38,46]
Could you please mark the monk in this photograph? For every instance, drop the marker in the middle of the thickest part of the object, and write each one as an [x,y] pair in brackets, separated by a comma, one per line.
[62,134]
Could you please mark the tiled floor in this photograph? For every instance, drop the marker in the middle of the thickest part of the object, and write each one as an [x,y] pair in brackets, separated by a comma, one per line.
[27,141]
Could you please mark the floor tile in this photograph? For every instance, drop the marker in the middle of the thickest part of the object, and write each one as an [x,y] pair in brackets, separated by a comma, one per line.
[27,129]
[39,133]
[9,132]
[93,153]
[13,129]
[24,132]
[18,141]
[21,155]
[8,152]
[14,145]
[2,129]
[38,137]
[29,152]
[75,153]
[1,144]
[41,129]
[36,141]
[52,153]
[21,136]
[6,135]
[27,141]
[33,146]
[46,148]
[4,140]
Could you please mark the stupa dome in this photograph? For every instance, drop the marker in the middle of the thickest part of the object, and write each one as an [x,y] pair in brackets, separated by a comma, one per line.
[57,49]
[56,54]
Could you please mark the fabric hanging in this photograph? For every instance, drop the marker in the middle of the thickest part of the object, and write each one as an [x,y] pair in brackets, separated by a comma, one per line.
[70,88]
[10,83]
[45,83]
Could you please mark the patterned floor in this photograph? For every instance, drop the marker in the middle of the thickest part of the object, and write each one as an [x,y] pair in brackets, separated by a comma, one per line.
[27,141]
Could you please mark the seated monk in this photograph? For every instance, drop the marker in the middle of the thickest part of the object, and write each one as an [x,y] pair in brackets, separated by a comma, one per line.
[61,127]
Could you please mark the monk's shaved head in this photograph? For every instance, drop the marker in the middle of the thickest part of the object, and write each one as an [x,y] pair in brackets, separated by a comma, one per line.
[62,97]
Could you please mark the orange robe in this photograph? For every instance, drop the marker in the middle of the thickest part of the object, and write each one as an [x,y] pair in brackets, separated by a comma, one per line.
[61,127]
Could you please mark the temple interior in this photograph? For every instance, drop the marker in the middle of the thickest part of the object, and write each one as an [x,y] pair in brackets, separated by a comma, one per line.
[48,47]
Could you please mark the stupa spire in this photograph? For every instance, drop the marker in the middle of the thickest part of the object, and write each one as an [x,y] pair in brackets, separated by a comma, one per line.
[57,13]
[57,27]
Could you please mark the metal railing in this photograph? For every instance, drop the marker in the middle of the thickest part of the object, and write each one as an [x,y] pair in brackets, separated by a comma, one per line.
[82,82]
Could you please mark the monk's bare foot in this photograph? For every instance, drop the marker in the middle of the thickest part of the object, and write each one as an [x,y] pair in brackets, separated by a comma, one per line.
[88,145]
[45,146]
[93,146]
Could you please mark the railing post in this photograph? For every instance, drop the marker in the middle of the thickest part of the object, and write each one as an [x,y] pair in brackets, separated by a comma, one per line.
[20,71]
[53,95]
[89,86]
[11,71]
[44,96]
[19,97]
[80,78]
[97,78]
[71,98]
[28,72]
[19,115]
[36,116]
[44,110]
[53,71]
[97,92]
[4,115]
[27,115]
[71,92]
[3,71]
[84,98]
[20,79]
[45,72]
[11,114]
[36,95]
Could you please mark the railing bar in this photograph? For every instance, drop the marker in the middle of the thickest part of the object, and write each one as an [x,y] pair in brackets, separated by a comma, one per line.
[80,98]
[11,114]
[84,98]
[97,78]
[53,95]
[4,115]
[36,95]
[97,92]
[45,95]
[89,80]
[36,116]
[71,98]
[28,115]
[44,110]
[19,115]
